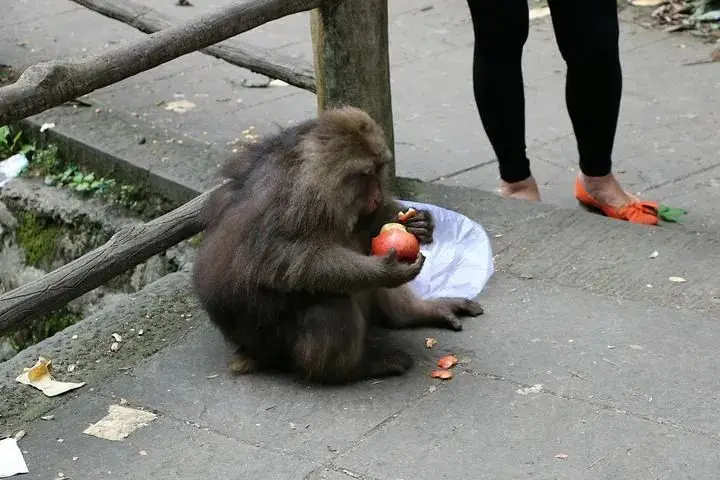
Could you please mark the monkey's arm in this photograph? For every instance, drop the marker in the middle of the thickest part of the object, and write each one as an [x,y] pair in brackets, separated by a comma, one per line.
[334,269]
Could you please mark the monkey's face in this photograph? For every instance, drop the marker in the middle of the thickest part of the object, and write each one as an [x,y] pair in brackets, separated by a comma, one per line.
[366,188]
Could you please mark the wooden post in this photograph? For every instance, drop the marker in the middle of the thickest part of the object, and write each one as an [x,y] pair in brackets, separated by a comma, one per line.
[352,62]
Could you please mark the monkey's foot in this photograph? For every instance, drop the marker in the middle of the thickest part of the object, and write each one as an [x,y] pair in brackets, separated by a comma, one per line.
[240,364]
[449,309]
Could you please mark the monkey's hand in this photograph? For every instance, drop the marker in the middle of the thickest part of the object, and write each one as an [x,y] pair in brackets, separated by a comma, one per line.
[421,225]
[399,273]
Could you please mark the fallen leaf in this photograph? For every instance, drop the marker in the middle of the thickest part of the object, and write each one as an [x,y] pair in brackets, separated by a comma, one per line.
[441,374]
[677,279]
[39,377]
[448,361]
[430,342]
[562,456]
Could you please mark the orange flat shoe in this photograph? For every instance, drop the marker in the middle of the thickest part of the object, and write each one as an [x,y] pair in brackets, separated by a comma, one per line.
[644,213]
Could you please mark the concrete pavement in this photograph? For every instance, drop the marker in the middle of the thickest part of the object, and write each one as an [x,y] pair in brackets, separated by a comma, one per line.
[586,348]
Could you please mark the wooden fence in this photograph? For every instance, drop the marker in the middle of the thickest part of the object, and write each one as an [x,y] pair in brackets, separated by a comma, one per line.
[351,67]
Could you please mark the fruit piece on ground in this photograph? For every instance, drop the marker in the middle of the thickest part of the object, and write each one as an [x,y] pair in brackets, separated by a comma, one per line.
[448,361]
[442,374]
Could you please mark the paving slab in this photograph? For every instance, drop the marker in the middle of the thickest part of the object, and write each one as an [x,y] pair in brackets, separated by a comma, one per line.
[625,389]
[167,448]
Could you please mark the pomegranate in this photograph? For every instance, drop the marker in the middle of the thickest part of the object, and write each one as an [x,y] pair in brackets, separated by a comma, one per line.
[394,235]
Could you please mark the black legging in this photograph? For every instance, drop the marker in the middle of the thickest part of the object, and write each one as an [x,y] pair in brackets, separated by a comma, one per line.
[587,35]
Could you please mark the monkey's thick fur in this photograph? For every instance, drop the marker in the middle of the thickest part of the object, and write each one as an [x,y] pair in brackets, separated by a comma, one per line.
[285,269]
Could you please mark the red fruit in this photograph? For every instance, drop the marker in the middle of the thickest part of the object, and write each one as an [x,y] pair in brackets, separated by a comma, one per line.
[405,244]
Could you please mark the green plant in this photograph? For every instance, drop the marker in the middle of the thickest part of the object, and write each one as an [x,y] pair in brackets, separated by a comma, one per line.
[79,181]
[10,143]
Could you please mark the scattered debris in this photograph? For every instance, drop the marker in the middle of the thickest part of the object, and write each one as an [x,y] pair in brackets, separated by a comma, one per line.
[537,388]
[117,337]
[71,368]
[48,417]
[214,375]
[430,342]
[442,374]
[562,456]
[278,83]
[677,279]
[12,461]
[180,106]
[702,17]
[610,362]
[143,453]
[635,347]
[595,463]
[46,126]
[654,254]
[39,377]
[119,423]
[448,361]
[115,347]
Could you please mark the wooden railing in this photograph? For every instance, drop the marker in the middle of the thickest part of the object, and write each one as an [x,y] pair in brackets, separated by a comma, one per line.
[351,67]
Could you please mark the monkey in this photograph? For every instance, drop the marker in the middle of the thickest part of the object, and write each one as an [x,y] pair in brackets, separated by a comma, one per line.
[284,269]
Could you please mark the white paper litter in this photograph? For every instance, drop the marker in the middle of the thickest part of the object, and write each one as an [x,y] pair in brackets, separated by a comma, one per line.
[459,262]
[39,377]
[119,423]
[12,461]
[11,167]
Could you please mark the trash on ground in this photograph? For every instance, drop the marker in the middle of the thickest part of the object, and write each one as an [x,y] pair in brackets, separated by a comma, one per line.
[11,167]
[537,388]
[442,374]
[179,106]
[448,361]
[562,456]
[39,377]
[654,254]
[458,262]
[12,461]
[677,279]
[46,126]
[119,423]
[430,342]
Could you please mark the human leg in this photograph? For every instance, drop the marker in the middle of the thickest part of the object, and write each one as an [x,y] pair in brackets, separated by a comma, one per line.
[501,30]
[587,36]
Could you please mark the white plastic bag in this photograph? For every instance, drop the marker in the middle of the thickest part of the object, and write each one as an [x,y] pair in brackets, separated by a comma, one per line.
[11,167]
[459,262]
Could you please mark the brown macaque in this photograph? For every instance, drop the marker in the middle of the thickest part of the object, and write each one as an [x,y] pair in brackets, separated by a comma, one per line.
[285,269]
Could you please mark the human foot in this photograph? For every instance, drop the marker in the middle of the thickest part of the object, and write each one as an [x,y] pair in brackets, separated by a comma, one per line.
[605,195]
[607,190]
[524,189]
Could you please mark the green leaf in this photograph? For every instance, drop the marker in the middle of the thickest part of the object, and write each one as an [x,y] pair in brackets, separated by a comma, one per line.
[670,214]
[4,133]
